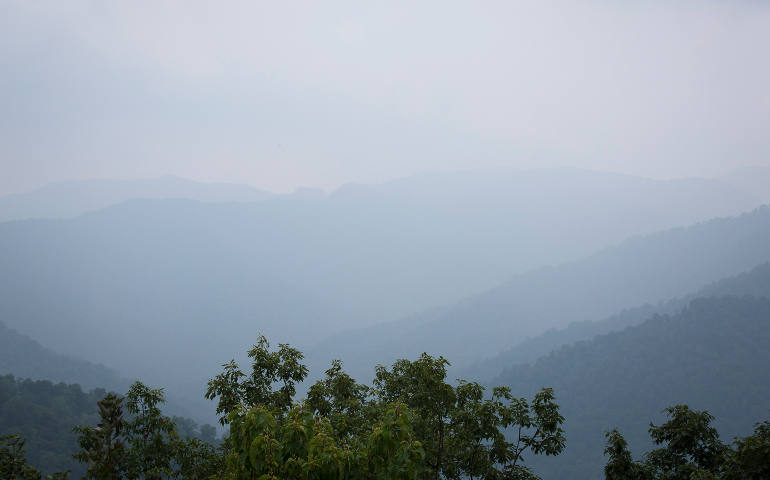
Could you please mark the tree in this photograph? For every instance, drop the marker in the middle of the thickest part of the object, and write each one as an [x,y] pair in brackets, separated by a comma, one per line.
[281,368]
[478,444]
[750,459]
[300,445]
[476,440]
[461,430]
[422,386]
[103,448]
[145,445]
[13,462]
[620,465]
[691,449]
[150,435]
[411,424]
[197,459]
[345,403]
[692,445]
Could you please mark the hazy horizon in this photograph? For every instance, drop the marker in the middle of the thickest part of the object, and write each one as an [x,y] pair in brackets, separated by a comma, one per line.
[280,97]
[328,190]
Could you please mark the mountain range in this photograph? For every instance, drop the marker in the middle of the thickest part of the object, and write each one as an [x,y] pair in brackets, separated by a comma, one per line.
[168,289]
[73,198]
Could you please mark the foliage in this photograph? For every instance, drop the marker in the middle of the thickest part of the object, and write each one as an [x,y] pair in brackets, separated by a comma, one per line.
[692,445]
[750,458]
[13,462]
[144,445]
[234,388]
[303,446]
[689,448]
[197,459]
[150,436]
[410,424]
[43,413]
[344,402]
[478,445]
[462,431]
[621,465]
[422,386]
[102,448]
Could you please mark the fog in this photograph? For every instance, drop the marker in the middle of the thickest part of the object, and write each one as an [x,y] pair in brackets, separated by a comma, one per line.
[569,195]
[304,94]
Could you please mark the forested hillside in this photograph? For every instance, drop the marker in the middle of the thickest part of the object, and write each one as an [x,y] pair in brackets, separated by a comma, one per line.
[755,282]
[711,356]
[44,414]
[646,269]
[26,358]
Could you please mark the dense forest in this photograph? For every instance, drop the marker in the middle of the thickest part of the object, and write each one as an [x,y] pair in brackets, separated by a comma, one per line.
[44,414]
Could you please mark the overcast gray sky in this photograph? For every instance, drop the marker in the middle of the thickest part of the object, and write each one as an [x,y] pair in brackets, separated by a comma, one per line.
[283,94]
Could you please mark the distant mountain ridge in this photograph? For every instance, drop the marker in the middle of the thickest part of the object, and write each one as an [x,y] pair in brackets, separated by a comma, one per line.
[73,198]
[645,269]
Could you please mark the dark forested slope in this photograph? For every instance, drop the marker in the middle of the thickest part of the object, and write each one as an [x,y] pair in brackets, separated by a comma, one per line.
[25,357]
[713,356]
[755,282]
[44,414]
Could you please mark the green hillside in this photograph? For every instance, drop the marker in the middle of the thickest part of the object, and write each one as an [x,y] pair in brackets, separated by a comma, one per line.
[44,413]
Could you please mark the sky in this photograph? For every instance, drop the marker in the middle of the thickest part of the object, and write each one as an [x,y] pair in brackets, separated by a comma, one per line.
[286,94]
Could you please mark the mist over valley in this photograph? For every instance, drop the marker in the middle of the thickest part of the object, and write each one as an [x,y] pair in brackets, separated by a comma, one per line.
[366,241]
